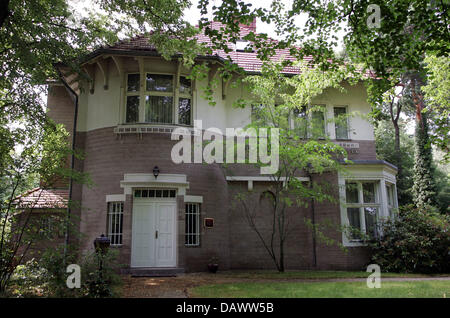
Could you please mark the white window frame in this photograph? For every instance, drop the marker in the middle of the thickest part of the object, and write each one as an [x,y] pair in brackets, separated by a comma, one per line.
[143,93]
[348,122]
[392,206]
[361,205]
[116,239]
[309,118]
[192,239]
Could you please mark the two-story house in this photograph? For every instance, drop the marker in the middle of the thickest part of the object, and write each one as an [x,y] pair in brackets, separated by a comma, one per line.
[160,214]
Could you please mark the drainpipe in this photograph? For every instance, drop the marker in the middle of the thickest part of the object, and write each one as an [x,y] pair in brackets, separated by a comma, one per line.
[313,220]
[72,161]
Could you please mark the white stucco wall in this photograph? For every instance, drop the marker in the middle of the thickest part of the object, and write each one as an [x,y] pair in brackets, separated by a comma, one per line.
[105,108]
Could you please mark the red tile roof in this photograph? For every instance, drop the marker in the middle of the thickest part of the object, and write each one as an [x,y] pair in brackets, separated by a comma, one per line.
[247,60]
[43,199]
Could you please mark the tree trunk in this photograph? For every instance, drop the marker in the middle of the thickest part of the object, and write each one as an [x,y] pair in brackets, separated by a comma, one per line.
[281,260]
[397,147]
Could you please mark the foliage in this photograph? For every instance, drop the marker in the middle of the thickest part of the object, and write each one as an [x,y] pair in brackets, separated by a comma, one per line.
[28,280]
[417,241]
[276,101]
[424,188]
[42,151]
[384,141]
[385,148]
[437,96]
[95,283]
[408,30]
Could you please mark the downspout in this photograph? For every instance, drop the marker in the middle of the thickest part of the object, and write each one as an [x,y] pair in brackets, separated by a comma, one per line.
[72,162]
[313,220]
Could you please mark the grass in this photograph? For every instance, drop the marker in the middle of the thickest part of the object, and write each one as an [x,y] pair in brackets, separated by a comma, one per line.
[419,289]
[261,274]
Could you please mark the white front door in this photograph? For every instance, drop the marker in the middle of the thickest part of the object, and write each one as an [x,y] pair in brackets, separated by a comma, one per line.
[153,233]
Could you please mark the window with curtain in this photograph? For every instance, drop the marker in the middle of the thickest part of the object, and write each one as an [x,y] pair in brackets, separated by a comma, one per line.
[362,206]
[158,99]
[185,102]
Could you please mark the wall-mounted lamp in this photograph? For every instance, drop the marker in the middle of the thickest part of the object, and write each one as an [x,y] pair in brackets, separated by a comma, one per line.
[156,172]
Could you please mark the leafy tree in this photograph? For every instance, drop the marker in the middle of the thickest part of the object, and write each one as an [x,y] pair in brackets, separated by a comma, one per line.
[437,96]
[43,152]
[386,150]
[424,188]
[303,146]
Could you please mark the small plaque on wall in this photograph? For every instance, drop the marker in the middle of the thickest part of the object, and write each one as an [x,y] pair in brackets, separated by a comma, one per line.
[209,222]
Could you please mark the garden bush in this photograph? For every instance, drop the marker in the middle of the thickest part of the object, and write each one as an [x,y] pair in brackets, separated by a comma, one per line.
[47,276]
[416,241]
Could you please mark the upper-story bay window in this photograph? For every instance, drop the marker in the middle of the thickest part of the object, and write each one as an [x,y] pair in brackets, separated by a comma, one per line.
[161,99]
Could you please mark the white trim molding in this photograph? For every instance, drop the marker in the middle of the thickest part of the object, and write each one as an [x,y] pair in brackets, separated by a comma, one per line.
[251,179]
[140,180]
[380,173]
[193,199]
[115,197]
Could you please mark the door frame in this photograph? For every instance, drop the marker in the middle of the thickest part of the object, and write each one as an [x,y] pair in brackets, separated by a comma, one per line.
[175,227]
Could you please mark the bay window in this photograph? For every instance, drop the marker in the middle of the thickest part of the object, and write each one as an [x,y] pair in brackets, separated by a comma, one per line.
[362,206]
[163,99]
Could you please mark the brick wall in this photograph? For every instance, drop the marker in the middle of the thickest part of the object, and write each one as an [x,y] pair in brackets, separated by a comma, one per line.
[109,157]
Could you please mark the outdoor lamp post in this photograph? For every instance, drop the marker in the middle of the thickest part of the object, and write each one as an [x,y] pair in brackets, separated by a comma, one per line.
[156,171]
[101,245]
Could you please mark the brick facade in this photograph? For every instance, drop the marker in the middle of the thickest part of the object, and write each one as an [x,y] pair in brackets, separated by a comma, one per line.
[109,156]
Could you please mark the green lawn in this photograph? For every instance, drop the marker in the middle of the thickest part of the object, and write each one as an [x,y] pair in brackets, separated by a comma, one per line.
[267,274]
[421,289]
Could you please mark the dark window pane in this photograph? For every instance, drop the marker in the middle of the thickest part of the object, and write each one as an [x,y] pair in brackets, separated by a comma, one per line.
[165,193]
[151,193]
[354,222]
[370,214]
[340,123]
[172,193]
[132,115]
[158,109]
[369,192]
[145,193]
[351,191]
[133,83]
[159,83]
[185,85]
[317,124]
[300,121]
[158,193]
[184,111]
[137,193]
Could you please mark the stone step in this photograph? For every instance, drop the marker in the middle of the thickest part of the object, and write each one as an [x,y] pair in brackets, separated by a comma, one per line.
[155,271]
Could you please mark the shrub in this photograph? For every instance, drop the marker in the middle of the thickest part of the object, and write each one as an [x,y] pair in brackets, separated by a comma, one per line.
[28,280]
[98,283]
[416,241]
[94,283]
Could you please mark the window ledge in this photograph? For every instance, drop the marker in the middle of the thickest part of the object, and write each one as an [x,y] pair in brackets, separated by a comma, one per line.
[148,128]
